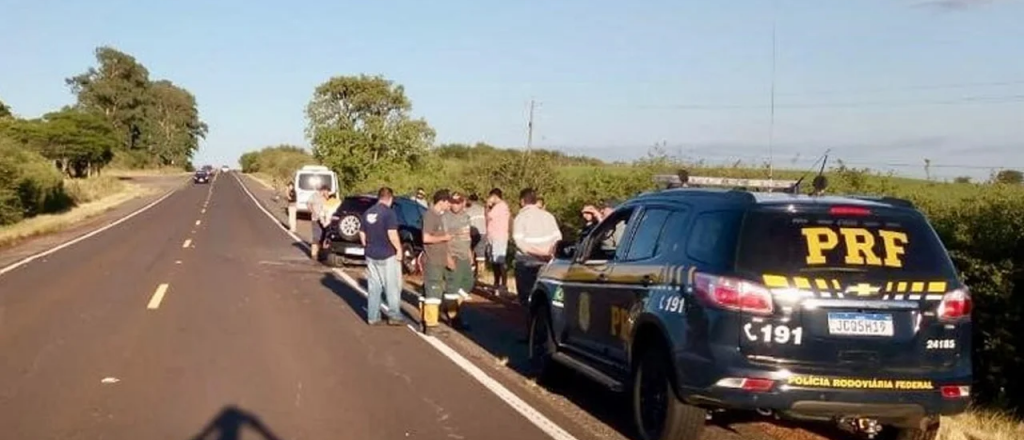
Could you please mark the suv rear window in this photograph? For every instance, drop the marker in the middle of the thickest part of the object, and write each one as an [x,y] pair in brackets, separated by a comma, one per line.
[879,245]
[312,181]
[356,204]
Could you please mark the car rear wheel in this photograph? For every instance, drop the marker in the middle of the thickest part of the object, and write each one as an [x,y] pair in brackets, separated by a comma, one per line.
[348,227]
[657,411]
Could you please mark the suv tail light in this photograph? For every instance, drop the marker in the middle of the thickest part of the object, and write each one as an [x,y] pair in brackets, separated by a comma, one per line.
[956,305]
[734,294]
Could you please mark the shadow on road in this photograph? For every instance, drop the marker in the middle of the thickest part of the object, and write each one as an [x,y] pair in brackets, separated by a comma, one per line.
[229,424]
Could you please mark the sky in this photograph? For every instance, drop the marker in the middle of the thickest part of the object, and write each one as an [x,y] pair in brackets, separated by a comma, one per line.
[884,84]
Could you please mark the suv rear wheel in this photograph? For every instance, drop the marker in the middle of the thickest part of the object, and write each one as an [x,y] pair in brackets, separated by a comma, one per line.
[657,411]
[348,227]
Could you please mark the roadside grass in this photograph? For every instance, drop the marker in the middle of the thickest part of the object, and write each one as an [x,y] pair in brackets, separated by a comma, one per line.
[123,172]
[981,425]
[266,180]
[92,197]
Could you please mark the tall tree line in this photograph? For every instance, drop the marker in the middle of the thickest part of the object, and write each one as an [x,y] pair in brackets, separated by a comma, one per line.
[120,112]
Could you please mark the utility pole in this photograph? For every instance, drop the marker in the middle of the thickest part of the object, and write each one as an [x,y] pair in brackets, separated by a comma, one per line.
[529,127]
[771,123]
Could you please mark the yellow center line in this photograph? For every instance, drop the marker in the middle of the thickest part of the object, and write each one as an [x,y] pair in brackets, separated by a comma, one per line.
[197,222]
[187,243]
[154,302]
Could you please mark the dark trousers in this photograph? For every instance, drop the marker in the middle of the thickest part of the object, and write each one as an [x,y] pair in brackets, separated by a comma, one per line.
[526,277]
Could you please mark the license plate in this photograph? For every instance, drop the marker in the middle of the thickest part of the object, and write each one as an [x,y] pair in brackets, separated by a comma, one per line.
[860,324]
[353,251]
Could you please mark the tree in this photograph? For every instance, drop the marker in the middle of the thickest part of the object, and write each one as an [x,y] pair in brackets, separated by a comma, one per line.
[360,126]
[79,142]
[156,122]
[173,125]
[5,111]
[118,89]
[1009,177]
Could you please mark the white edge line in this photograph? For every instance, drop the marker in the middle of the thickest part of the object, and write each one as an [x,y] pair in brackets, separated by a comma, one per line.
[539,420]
[523,408]
[31,258]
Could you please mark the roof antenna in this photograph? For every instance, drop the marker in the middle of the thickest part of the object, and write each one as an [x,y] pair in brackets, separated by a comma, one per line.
[820,182]
[771,123]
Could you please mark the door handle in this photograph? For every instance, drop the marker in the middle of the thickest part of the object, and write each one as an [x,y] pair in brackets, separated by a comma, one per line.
[646,280]
[602,277]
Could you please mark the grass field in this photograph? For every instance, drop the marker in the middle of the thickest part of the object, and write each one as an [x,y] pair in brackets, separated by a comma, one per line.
[92,196]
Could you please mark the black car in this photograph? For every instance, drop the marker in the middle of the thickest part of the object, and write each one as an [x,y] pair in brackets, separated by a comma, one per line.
[201,177]
[342,238]
[842,309]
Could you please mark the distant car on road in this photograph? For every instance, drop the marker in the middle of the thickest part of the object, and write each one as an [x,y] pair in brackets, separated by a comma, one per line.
[201,176]
[307,180]
[224,169]
[344,247]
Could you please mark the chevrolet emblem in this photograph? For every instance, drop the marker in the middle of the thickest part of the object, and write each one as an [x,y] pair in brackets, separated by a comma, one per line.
[863,289]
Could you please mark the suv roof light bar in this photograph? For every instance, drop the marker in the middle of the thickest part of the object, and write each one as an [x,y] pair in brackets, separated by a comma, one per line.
[725,182]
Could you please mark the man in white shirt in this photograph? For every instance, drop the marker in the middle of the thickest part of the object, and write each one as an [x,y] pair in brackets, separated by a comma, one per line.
[535,232]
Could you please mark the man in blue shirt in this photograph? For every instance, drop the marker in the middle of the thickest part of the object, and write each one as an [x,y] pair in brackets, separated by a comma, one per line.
[379,235]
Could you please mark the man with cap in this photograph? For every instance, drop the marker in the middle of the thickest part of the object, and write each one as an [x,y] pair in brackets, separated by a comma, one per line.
[611,241]
[436,259]
[459,277]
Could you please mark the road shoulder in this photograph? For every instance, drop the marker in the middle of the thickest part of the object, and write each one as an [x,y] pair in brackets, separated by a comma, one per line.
[151,189]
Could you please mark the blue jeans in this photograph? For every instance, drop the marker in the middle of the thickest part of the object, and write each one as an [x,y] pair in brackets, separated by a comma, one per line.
[383,277]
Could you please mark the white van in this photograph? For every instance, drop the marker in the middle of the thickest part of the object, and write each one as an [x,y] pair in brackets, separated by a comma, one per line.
[308,180]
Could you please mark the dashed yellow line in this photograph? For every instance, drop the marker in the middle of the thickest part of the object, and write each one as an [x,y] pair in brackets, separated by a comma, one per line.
[158,296]
[198,221]
[187,243]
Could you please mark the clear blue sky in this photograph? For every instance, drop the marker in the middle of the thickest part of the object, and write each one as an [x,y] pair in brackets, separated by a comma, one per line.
[879,81]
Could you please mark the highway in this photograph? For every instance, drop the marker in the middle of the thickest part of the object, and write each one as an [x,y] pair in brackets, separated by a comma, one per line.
[201,317]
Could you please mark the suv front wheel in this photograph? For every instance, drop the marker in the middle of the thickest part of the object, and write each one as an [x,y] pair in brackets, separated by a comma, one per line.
[657,411]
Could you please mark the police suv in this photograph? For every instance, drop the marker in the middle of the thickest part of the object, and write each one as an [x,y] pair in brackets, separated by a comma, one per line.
[843,309]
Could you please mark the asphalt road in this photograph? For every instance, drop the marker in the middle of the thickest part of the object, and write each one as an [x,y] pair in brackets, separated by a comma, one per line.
[200,315]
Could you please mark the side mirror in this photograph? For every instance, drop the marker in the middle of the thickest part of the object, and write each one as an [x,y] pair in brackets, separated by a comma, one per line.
[565,250]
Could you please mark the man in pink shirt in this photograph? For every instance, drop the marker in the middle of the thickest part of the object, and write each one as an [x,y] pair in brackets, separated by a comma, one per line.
[499,220]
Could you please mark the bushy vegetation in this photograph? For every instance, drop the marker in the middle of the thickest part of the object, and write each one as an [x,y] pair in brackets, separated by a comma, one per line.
[121,117]
[362,122]
[278,163]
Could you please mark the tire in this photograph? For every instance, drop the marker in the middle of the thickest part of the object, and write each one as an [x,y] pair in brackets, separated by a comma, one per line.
[348,227]
[410,260]
[335,260]
[657,411]
[542,344]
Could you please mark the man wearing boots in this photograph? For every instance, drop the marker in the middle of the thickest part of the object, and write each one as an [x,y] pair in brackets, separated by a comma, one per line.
[459,279]
[436,260]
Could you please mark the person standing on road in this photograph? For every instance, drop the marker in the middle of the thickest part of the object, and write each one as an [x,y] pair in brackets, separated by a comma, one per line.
[379,235]
[478,229]
[535,232]
[436,260]
[316,211]
[498,221]
[459,278]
